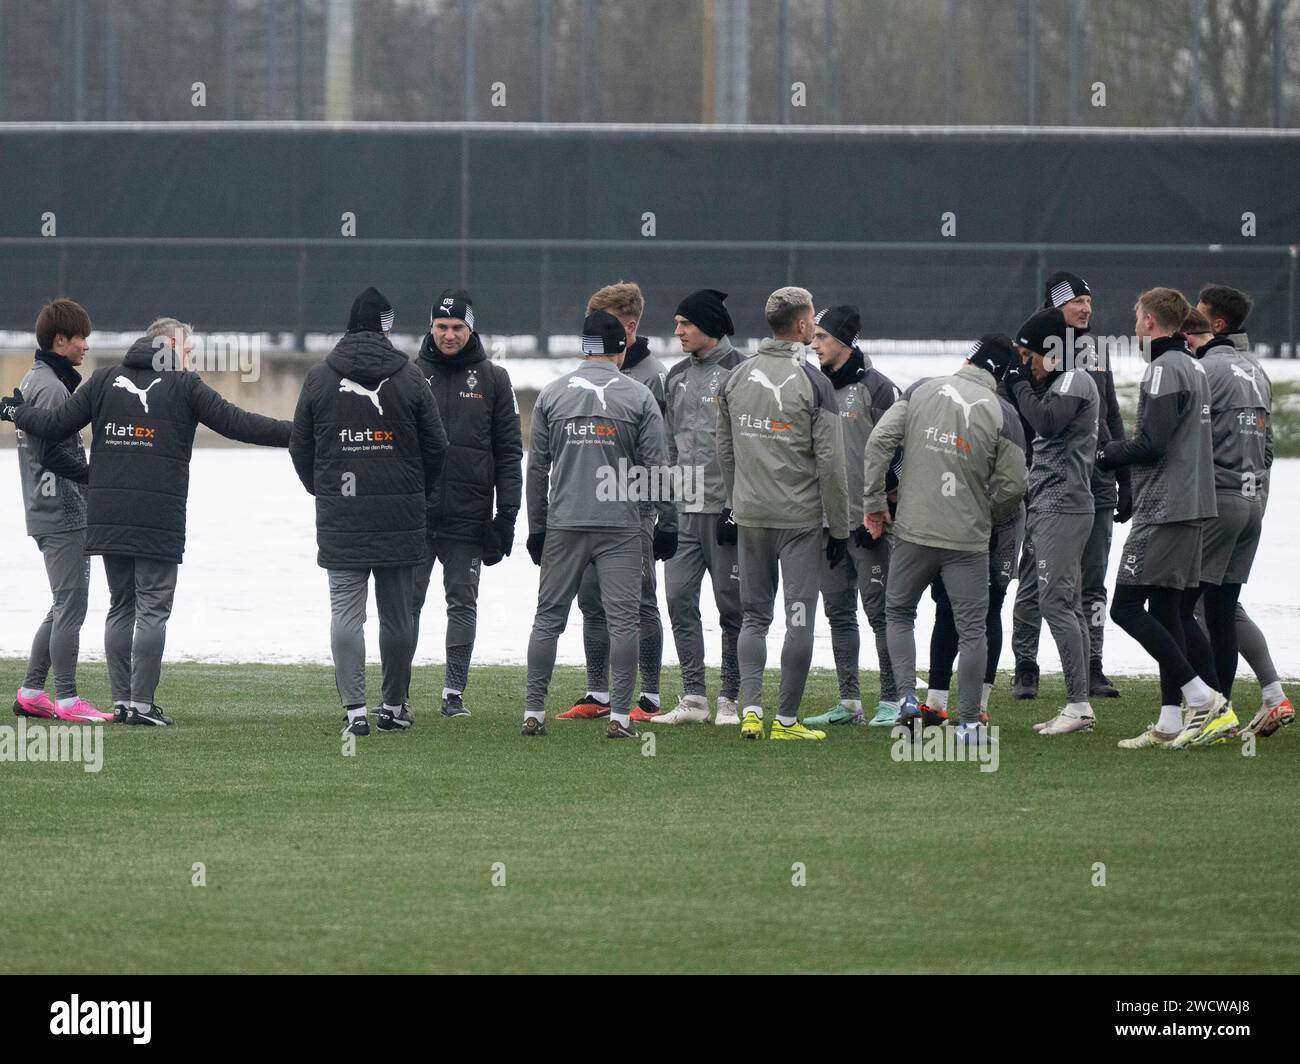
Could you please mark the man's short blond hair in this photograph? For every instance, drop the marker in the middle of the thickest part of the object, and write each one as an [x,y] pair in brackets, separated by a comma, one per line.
[1167,305]
[784,307]
[624,300]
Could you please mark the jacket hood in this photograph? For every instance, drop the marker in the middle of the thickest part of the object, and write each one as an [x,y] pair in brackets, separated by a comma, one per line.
[791,349]
[365,357]
[141,355]
[719,351]
[469,354]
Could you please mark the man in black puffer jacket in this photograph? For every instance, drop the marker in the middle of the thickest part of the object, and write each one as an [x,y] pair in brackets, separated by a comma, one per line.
[143,413]
[484,453]
[368,444]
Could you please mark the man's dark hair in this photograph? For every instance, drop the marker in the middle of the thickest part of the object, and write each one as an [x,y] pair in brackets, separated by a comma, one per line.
[1230,304]
[60,317]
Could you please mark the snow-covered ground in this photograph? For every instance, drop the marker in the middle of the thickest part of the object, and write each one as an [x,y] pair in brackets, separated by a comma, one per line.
[250,589]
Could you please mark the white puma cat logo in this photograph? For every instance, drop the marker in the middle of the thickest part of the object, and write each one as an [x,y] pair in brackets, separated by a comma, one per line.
[1237,371]
[143,396]
[599,389]
[757,376]
[353,388]
[1130,570]
[952,393]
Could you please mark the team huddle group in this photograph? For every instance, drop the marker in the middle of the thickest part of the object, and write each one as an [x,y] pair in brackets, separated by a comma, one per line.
[820,478]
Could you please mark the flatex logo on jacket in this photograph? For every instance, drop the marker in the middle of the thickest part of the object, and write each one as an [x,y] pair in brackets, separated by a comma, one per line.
[129,434]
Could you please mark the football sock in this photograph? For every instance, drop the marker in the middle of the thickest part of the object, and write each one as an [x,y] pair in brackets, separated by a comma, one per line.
[854,704]
[392,709]
[622,719]
[67,703]
[1273,694]
[651,696]
[756,710]
[936,699]
[1078,709]
[535,714]
[356,713]
[1197,692]
[29,692]
[1171,720]
[449,691]
[142,705]
[985,692]
[598,696]
[786,721]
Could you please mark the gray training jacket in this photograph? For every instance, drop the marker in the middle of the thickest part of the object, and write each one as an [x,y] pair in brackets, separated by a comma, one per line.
[53,472]
[963,468]
[1065,424]
[691,394]
[591,430]
[780,445]
[1241,409]
[861,404]
[1171,451]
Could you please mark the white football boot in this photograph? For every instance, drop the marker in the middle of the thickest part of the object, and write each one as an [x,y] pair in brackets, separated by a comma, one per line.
[728,711]
[690,709]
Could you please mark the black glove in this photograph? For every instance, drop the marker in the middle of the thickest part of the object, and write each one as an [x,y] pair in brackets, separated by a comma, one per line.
[10,403]
[1105,463]
[492,552]
[837,550]
[727,534]
[535,543]
[665,543]
[1124,508]
[1016,372]
[504,527]
[865,539]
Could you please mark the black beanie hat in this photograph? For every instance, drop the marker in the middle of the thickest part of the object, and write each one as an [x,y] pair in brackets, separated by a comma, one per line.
[993,352]
[454,303]
[603,334]
[1042,326]
[842,322]
[371,312]
[705,311]
[1062,287]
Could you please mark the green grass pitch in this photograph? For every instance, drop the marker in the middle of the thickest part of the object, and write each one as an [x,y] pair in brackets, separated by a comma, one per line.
[616,861]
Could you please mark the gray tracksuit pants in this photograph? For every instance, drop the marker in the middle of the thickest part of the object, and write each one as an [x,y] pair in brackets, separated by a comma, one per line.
[461,564]
[394,590]
[912,568]
[1092,576]
[140,594]
[617,556]
[697,553]
[1027,614]
[58,639]
[1059,540]
[795,555]
[595,633]
[865,578]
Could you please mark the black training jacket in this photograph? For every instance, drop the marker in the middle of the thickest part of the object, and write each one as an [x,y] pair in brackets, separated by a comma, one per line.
[144,412]
[368,443]
[484,446]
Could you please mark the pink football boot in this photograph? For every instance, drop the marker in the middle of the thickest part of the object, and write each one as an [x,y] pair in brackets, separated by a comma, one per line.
[82,712]
[40,706]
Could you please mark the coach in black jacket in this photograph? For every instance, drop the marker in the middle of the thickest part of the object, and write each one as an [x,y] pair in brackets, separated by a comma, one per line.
[484,455]
[143,413]
[368,444]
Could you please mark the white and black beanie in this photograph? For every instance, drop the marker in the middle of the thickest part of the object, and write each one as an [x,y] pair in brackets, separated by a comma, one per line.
[371,312]
[842,322]
[603,334]
[454,303]
[993,352]
[1063,287]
